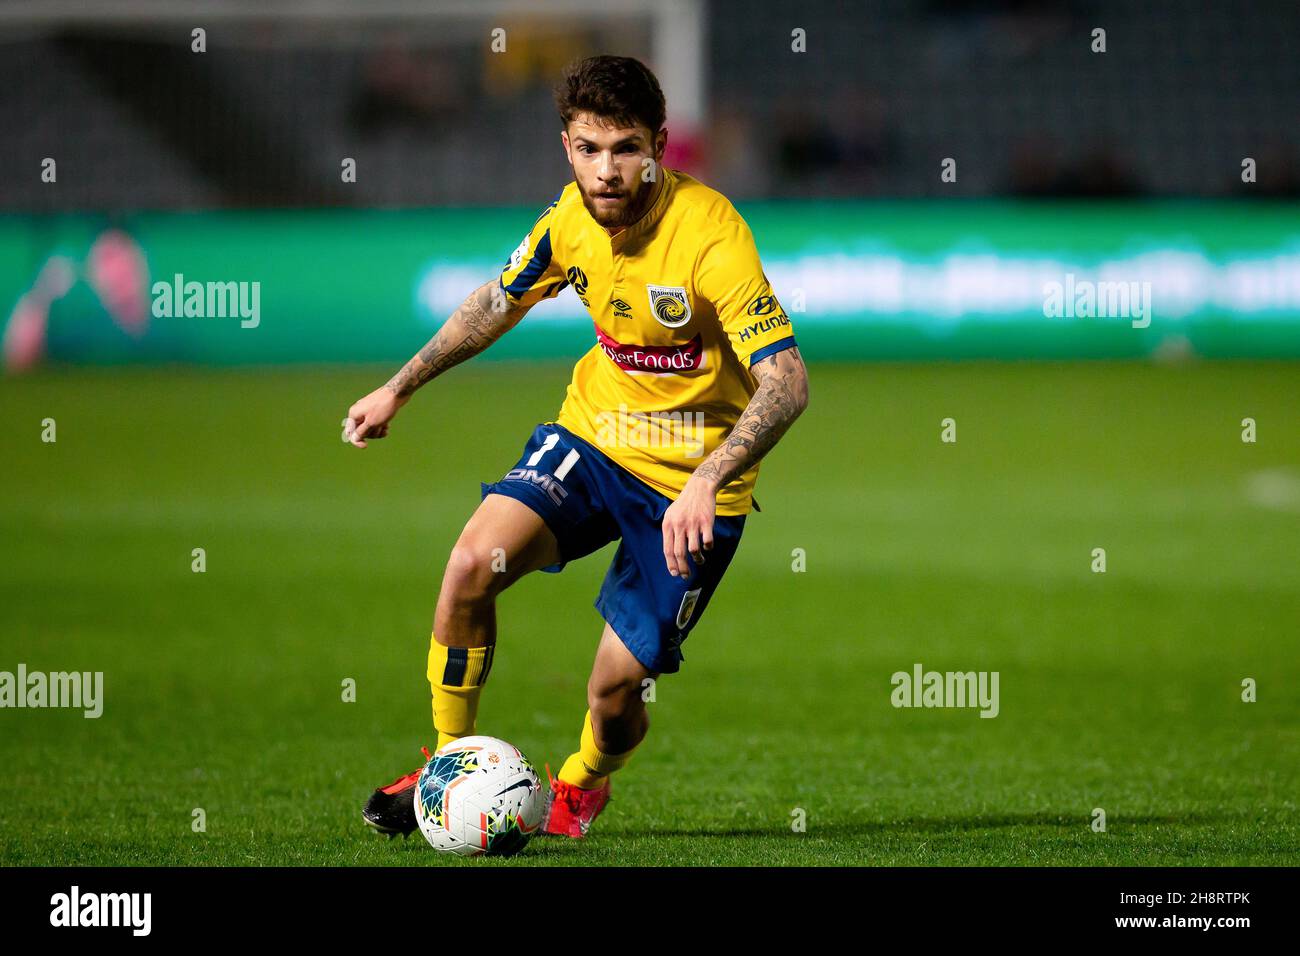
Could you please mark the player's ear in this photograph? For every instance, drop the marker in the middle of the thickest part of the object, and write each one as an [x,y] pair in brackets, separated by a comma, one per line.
[564,140]
[661,143]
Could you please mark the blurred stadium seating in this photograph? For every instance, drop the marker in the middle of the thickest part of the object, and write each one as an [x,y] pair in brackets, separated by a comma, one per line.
[435,118]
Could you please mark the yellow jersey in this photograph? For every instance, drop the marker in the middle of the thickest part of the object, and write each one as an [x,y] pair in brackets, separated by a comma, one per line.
[681,309]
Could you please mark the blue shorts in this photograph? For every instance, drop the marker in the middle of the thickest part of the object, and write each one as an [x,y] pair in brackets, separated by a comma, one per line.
[588,501]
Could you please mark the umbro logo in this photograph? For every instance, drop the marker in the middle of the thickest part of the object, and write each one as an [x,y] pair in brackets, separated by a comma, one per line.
[620,305]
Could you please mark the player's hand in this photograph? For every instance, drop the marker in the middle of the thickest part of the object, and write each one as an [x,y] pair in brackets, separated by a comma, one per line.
[688,527]
[369,416]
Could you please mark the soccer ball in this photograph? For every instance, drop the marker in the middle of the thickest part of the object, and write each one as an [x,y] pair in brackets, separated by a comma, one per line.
[479,795]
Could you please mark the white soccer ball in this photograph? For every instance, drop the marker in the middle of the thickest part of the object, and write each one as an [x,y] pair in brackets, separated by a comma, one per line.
[479,795]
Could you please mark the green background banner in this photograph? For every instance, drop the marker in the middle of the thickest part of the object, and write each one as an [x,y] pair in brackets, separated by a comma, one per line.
[887,280]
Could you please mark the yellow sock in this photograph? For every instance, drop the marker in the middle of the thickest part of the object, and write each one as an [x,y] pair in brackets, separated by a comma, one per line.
[456,677]
[589,767]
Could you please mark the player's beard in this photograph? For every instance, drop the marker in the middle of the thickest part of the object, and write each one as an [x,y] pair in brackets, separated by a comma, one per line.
[624,215]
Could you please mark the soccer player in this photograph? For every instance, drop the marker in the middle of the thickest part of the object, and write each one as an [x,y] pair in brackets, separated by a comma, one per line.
[693,377]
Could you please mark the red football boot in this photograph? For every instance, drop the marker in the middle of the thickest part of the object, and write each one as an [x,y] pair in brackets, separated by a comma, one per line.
[571,809]
[391,809]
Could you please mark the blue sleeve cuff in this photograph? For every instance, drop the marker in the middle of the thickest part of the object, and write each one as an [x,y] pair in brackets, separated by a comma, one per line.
[778,346]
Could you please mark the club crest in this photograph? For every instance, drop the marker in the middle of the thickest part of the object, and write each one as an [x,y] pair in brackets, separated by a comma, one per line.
[669,304]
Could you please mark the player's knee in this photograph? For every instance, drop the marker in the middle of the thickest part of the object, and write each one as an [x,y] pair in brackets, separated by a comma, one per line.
[471,576]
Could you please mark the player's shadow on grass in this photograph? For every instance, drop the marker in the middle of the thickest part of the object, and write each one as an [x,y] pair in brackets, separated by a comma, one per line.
[955,824]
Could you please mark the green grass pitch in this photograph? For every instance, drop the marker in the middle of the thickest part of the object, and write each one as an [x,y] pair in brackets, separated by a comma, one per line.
[1120,691]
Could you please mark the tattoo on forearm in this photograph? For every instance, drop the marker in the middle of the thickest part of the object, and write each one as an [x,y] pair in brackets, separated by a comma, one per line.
[479,321]
[781,396]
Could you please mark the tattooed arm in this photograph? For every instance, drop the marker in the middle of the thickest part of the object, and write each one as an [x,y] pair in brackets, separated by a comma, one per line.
[481,319]
[780,398]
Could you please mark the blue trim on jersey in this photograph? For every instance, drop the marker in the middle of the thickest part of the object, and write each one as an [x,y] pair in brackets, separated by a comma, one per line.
[556,291]
[536,266]
[778,346]
[549,206]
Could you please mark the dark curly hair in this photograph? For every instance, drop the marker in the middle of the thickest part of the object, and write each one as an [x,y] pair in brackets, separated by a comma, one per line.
[617,89]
